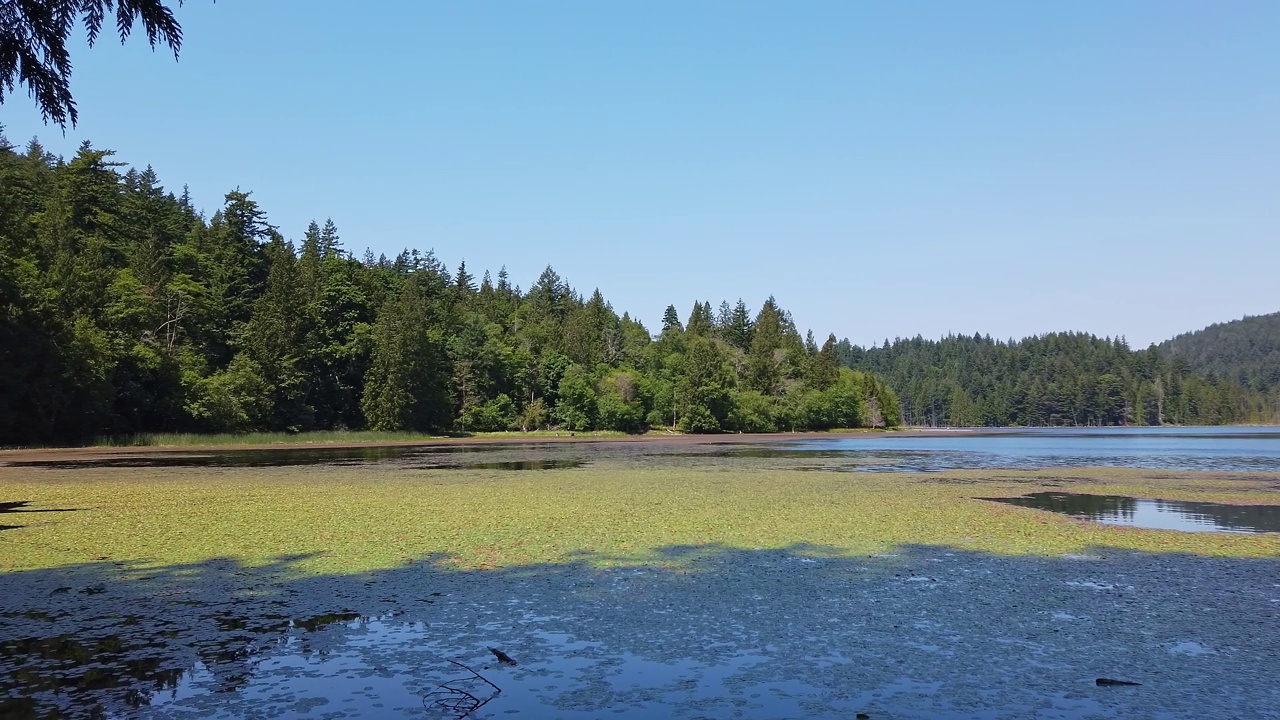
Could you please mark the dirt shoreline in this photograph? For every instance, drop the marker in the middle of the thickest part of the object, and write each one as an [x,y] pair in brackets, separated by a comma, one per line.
[89,453]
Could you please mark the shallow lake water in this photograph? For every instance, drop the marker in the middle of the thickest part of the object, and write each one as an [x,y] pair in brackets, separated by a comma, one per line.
[923,632]
[1235,449]
[1155,514]
[1229,449]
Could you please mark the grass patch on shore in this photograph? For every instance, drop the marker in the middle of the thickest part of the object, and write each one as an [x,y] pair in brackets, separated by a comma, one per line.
[353,519]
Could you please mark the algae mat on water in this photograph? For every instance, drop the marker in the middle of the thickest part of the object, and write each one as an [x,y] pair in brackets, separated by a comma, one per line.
[342,519]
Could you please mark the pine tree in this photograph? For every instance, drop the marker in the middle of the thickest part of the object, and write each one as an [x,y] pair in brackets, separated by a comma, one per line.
[405,387]
[275,340]
[671,320]
[824,365]
[703,390]
[738,332]
[700,320]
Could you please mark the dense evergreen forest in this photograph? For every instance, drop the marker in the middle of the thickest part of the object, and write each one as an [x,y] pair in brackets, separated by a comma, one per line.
[1245,351]
[1056,379]
[123,309]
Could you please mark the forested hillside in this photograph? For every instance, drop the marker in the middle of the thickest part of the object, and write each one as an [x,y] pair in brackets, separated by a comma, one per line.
[1244,351]
[124,309]
[1054,379]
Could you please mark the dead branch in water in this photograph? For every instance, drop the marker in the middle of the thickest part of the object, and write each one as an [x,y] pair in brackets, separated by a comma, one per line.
[453,699]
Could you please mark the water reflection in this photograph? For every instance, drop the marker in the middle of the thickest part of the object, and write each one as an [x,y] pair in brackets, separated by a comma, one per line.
[926,632]
[545,464]
[1155,514]
[1211,449]
[282,457]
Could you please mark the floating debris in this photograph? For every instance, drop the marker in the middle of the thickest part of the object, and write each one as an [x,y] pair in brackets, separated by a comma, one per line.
[503,658]
[460,696]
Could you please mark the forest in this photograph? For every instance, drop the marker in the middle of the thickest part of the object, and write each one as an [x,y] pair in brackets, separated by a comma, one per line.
[124,309]
[1055,379]
[1245,351]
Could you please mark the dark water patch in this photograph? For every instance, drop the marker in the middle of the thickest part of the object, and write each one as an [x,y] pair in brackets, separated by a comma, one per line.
[1154,514]
[281,457]
[315,622]
[84,670]
[547,464]
[227,458]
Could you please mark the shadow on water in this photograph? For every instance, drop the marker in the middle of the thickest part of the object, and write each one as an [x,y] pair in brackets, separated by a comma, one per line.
[1156,514]
[702,631]
[226,458]
[21,506]
[258,458]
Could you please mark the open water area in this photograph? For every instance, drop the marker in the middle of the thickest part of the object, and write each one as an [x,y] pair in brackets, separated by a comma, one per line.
[923,631]
[1225,449]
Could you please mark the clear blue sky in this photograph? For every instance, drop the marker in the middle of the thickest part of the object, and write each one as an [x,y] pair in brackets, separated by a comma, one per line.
[883,169]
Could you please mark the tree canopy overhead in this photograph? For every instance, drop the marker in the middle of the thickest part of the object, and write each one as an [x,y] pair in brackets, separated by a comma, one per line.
[33,44]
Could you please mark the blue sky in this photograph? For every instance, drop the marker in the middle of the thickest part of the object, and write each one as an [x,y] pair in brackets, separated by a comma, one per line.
[883,169]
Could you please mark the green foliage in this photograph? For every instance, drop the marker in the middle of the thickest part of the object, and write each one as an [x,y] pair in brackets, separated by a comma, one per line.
[702,392]
[1054,379]
[534,416]
[125,312]
[34,48]
[405,387]
[576,408]
[1244,352]
[236,399]
[618,403]
[752,412]
[494,415]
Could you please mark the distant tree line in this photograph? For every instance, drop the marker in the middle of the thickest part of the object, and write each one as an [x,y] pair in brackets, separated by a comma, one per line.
[123,309]
[1245,351]
[1055,379]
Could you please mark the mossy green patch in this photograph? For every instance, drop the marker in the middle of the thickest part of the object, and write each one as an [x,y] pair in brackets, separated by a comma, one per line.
[353,519]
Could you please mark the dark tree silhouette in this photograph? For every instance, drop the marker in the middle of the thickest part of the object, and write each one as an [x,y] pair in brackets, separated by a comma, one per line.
[33,44]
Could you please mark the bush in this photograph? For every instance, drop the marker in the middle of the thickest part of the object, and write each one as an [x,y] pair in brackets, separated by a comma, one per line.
[752,412]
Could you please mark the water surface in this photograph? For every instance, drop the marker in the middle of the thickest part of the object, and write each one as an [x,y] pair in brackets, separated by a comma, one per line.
[1155,514]
[1229,449]
[924,632]
[1232,449]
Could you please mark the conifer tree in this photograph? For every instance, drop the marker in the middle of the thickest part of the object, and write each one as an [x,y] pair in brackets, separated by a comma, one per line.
[404,387]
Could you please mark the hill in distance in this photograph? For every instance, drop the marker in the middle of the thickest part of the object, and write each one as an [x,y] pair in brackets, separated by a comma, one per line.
[1224,374]
[1245,351]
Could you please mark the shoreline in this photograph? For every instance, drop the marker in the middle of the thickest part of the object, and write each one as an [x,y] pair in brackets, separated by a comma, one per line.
[24,454]
[538,438]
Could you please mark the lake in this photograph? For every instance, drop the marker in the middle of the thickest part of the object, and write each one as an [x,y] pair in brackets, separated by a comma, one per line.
[654,578]
[1222,449]
[1229,449]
